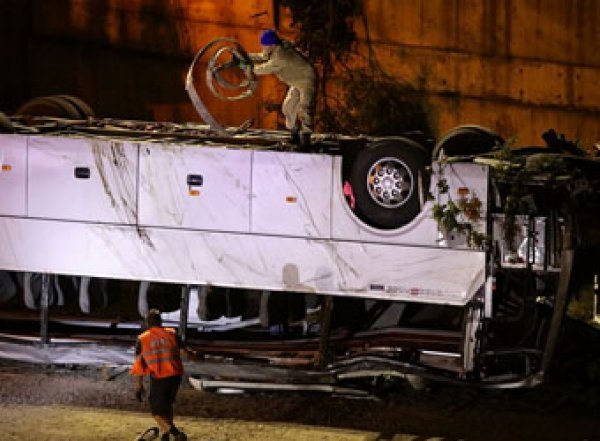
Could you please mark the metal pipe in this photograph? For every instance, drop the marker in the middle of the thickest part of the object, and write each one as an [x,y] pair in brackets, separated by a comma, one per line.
[325,331]
[186,292]
[44,301]
[561,298]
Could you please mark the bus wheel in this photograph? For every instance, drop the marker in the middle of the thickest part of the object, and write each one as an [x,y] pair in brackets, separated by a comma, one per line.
[389,181]
[60,106]
[467,140]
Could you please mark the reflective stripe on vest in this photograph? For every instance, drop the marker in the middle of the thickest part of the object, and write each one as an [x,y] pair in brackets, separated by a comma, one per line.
[160,352]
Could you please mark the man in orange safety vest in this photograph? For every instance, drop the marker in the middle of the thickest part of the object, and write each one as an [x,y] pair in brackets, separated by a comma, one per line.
[157,355]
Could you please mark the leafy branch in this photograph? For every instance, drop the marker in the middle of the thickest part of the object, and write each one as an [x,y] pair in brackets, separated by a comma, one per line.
[458,216]
[369,100]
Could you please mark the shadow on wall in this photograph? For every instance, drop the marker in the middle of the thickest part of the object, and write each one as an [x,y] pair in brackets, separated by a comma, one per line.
[376,104]
[145,71]
[125,61]
[15,18]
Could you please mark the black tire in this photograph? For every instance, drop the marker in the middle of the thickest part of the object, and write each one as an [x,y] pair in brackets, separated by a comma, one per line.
[48,106]
[84,109]
[6,126]
[393,200]
[60,106]
[467,140]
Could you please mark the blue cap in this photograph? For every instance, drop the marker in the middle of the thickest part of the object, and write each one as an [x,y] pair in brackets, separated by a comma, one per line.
[269,38]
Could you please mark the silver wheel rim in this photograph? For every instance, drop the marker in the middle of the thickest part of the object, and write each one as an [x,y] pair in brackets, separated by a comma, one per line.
[390,182]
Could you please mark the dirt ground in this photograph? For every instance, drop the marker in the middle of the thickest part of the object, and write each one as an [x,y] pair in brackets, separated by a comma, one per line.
[49,403]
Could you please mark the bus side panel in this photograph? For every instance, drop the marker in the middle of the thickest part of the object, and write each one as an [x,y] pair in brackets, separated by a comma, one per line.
[395,272]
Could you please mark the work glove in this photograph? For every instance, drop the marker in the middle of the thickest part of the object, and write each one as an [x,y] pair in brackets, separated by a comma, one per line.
[139,393]
[241,63]
[244,66]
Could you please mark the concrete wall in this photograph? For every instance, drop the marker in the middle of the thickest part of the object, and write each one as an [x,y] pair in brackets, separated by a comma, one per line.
[518,66]
[14,34]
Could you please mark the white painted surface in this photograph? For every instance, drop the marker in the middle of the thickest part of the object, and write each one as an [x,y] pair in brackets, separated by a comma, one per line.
[13,175]
[467,175]
[468,181]
[109,195]
[242,260]
[291,194]
[222,202]
[315,244]
[423,229]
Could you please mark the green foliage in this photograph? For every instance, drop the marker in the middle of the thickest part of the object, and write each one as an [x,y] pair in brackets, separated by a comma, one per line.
[514,172]
[470,208]
[326,31]
[372,103]
[446,215]
[458,216]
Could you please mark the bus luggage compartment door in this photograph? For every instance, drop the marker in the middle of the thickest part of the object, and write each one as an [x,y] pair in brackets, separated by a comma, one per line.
[81,179]
[194,187]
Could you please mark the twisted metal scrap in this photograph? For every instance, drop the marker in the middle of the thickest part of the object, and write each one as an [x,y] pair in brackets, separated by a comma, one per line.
[213,73]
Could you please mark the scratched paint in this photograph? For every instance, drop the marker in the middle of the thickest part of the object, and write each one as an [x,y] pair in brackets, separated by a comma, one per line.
[116,177]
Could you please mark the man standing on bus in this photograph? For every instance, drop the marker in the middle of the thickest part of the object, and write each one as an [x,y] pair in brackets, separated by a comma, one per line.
[281,58]
[157,354]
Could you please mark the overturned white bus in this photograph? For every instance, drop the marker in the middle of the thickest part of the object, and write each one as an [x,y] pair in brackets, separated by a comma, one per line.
[365,257]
